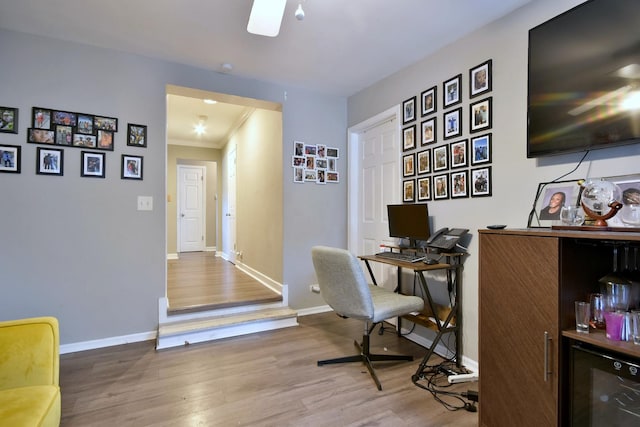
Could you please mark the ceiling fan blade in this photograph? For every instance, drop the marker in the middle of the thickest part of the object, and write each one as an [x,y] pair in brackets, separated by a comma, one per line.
[266,17]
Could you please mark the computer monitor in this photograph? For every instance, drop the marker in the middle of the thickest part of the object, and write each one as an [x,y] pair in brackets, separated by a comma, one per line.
[410,221]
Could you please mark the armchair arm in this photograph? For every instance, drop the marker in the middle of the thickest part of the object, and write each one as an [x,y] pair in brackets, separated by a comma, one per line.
[29,352]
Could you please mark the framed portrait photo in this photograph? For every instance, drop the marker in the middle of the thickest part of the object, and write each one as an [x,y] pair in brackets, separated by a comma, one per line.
[408,162]
[8,120]
[424,161]
[452,123]
[452,91]
[64,135]
[409,138]
[10,158]
[136,135]
[131,167]
[480,79]
[41,136]
[85,124]
[424,189]
[409,110]
[104,140]
[64,118]
[408,190]
[549,200]
[481,182]
[458,154]
[429,131]
[41,118]
[92,164]
[49,161]
[481,149]
[333,177]
[106,123]
[428,101]
[441,186]
[459,184]
[440,158]
[480,115]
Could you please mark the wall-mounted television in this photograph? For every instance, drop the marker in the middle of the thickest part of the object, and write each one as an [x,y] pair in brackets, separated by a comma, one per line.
[409,221]
[584,79]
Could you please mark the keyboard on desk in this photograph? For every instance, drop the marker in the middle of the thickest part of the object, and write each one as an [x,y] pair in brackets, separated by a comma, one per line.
[400,256]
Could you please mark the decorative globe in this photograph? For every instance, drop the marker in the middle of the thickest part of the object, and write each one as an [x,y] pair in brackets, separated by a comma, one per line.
[601,200]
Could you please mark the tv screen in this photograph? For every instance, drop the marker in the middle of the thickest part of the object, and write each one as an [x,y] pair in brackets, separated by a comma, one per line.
[409,221]
[584,79]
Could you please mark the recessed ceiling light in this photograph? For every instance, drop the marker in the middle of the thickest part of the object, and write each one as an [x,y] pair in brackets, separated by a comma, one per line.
[210,101]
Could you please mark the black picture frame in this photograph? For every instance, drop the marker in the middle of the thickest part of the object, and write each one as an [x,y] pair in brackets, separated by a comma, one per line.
[41,118]
[452,123]
[105,123]
[92,164]
[84,140]
[452,91]
[409,190]
[459,184]
[424,189]
[409,110]
[480,115]
[64,118]
[408,165]
[569,192]
[10,158]
[136,135]
[481,182]
[409,138]
[480,79]
[132,167]
[104,140]
[441,186]
[459,154]
[423,161]
[440,158]
[85,124]
[9,120]
[41,136]
[429,131]
[50,161]
[64,135]
[480,150]
[428,101]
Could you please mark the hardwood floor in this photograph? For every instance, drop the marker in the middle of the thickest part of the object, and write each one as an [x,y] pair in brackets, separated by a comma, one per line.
[200,280]
[264,379]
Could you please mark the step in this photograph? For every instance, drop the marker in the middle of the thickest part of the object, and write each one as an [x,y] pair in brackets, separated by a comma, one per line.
[174,334]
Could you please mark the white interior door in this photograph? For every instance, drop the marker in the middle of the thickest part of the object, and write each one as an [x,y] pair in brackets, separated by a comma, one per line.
[229,219]
[191,214]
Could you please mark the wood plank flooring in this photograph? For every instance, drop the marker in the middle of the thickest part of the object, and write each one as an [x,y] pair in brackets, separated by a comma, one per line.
[264,379]
[200,280]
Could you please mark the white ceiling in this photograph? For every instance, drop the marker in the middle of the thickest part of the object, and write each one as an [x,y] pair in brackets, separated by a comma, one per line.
[341,47]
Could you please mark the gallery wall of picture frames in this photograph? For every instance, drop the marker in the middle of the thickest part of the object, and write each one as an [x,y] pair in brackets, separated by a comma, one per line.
[449,165]
[54,129]
[315,163]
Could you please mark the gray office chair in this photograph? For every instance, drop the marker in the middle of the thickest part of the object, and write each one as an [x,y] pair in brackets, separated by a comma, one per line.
[344,287]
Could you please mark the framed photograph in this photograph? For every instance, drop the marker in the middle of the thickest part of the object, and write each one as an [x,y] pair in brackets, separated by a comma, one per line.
[409,110]
[8,120]
[64,135]
[629,215]
[549,200]
[131,167]
[441,186]
[481,182]
[321,176]
[49,161]
[459,184]
[81,140]
[424,189]
[452,91]
[424,161]
[105,140]
[321,151]
[452,123]
[481,149]
[92,164]
[41,118]
[41,136]
[408,162]
[310,150]
[429,97]
[480,79]
[332,164]
[440,158]
[333,177]
[310,162]
[458,154]
[105,123]
[321,163]
[408,190]
[429,131]
[85,124]
[65,118]
[310,175]
[480,115]
[409,138]
[10,158]
[298,174]
[333,153]
[298,161]
[136,135]
[298,148]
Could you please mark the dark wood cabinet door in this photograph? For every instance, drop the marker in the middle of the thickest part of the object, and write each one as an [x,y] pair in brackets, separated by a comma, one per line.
[518,299]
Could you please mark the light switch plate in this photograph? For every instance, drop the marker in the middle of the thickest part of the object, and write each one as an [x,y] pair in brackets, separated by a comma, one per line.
[145,203]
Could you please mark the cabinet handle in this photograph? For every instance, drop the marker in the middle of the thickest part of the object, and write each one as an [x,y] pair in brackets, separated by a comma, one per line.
[547,372]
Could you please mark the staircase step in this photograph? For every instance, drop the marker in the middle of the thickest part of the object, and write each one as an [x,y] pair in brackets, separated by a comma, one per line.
[173,334]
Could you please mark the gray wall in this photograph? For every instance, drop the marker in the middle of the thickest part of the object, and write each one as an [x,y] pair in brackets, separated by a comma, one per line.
[77,248]
[515,178]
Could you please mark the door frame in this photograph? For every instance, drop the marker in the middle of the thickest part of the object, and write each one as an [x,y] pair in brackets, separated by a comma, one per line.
[204,205]
[353,150]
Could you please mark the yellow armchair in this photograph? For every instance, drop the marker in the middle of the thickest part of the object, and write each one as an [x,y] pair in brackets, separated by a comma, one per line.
[30,372]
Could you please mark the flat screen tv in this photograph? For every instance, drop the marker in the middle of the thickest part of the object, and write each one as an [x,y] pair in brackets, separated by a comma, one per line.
[584,79]
[410,221]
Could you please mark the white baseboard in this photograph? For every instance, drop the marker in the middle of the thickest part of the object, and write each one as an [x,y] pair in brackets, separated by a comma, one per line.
[173,256]
[265,280]
[107,342]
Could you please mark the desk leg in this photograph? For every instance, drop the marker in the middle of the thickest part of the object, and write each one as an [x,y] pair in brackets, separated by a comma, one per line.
[373,277]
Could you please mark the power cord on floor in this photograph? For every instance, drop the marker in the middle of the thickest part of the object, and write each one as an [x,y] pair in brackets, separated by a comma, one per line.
[452,401]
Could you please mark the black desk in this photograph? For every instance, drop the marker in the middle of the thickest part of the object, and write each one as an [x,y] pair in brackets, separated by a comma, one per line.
[453,321]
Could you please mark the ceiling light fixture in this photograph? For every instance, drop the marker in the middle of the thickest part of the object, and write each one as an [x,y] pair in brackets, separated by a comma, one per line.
[210,101]
[266,17]
[299,12]
[200,128]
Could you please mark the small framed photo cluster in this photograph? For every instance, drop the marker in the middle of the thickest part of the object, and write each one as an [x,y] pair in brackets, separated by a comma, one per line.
[459,167]
[315,163]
